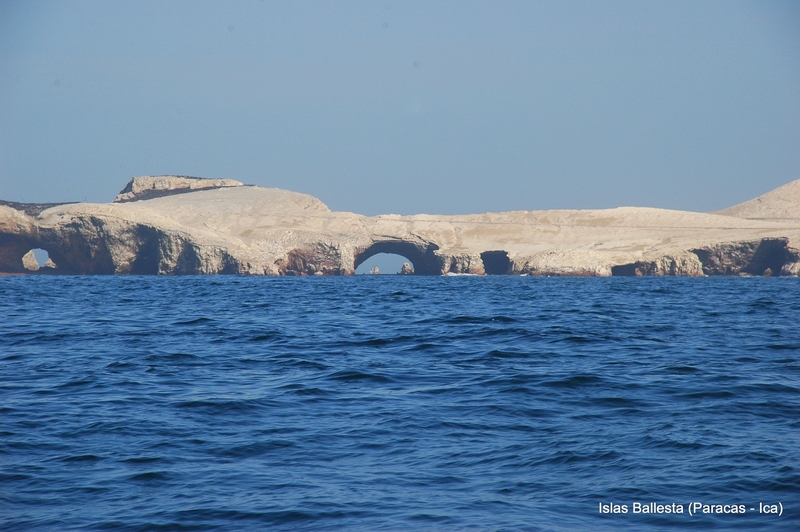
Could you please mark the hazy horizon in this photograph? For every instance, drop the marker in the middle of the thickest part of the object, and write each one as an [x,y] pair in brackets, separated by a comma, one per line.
[386,107]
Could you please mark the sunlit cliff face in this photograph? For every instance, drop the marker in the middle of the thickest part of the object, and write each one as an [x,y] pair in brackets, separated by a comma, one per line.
[188,226]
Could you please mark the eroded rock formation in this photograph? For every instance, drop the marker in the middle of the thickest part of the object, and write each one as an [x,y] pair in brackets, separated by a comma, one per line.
[149,187]
[174,225]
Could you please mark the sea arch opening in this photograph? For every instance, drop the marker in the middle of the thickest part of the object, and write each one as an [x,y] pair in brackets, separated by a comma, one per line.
[384,263]
[36,259]
[423,259]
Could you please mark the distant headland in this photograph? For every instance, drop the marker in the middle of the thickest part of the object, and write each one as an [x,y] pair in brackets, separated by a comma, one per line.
[180,225]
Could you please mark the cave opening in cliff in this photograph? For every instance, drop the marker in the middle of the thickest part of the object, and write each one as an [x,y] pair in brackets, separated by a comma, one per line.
[384,263]
[422,258]
[496,262]
[769,257]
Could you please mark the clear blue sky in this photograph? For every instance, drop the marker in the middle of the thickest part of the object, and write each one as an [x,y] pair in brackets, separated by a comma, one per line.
[405,107]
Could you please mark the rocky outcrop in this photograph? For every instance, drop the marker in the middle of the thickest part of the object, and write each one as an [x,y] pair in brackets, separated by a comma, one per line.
[791,269]
[687,265]
[463,263]
[175,225]
[29,261]
[558,263]
[149,187]
[318,259]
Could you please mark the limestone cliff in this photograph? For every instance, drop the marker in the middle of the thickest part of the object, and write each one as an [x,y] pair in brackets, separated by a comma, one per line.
[174,225]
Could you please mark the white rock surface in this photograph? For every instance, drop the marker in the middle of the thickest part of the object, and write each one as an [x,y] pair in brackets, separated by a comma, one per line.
[29,261]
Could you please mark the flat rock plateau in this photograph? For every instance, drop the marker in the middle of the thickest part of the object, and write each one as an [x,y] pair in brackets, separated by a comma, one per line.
[178,225]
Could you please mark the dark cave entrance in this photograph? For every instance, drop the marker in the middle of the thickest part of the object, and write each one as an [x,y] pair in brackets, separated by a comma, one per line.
[496,262]
[769,258]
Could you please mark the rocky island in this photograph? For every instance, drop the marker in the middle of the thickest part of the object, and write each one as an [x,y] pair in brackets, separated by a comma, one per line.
[178,225]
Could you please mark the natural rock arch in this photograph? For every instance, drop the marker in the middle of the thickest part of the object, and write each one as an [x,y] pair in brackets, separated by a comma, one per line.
[19,255]
[12,249]
[423,258]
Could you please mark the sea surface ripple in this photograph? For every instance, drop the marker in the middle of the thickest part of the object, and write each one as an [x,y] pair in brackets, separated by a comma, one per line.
[396,403]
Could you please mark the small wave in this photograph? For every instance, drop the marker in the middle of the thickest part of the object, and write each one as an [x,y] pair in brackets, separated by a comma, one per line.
[78,383]
[575,339]
[783,347]
[372,342]
[497,353]
[576,381]
[304,390]
[307,364]
[359,376]
[771,387]
[195,321]
[464,319]
[14,477]
[82,458]
[211,515]
[225,406]
[763,303]
[188,359]
[480,319]
[683,369]
[119,365]
[143,459]
[572,457]
[149,476]
[181,356]
[264,337]
[671,443]
[710,394]
[620,402]
[424,346]
[251,450]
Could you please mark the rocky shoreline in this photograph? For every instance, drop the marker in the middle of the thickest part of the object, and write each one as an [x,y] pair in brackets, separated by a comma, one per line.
[179,225]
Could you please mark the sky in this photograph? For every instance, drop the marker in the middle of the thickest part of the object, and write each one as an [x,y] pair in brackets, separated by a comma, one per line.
[405,107]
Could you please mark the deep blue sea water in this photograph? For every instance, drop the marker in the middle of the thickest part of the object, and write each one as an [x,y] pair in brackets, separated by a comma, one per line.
[397,403]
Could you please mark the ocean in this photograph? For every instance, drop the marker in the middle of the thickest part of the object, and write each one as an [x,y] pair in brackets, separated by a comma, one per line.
[399,403]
